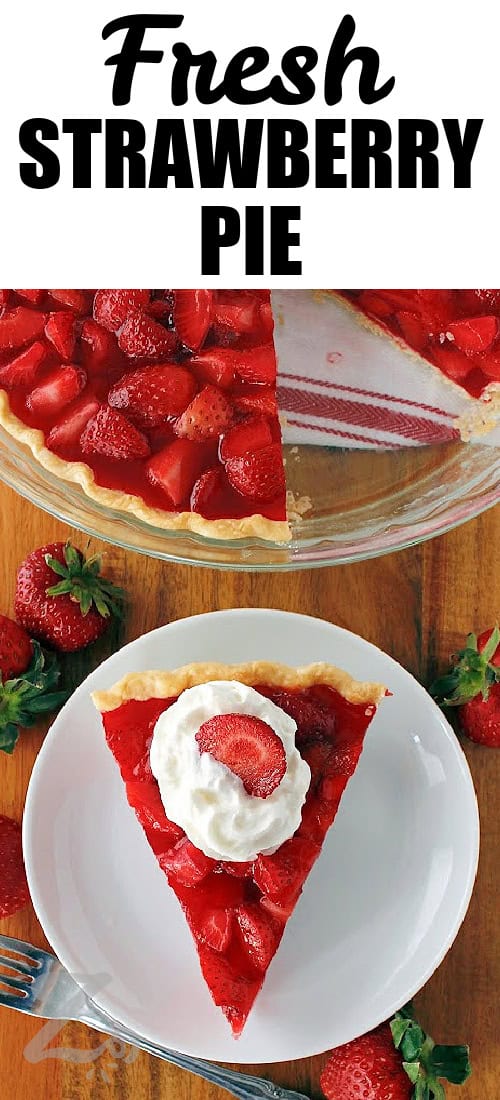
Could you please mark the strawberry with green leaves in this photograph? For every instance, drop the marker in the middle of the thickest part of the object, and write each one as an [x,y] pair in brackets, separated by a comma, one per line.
[396,1061]
[473,686]
[63,599]
[27,695]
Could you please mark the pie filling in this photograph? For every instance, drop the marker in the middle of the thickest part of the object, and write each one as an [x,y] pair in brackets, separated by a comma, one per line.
[237,912]
[456,330]
[169,396]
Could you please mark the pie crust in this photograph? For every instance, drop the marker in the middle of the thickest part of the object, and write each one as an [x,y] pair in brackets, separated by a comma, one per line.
[167,684]
[255,526]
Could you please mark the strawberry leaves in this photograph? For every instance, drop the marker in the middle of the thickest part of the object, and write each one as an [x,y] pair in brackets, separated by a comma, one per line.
[25,698]
[82,581]
[473,673]
[424,1062]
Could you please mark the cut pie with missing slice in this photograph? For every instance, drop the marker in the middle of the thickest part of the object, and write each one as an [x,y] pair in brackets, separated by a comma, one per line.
[156,402]
[237,910]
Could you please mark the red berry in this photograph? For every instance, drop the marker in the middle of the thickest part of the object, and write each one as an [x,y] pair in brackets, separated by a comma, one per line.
[239,314]
[256,365]
[186,864]
[251,435]
[369,1068]
[413,330]
[247,746]
[57,390]
[16,649]
[109,433]
[205,488]
[151,394]
[215,929]
[214,366]
[260,934]
[68,429]
[312,717]
[176,469]
[208,414]
[61,331]
[262,403]
[474,334]
[24,369]
[99,347]
[282,875]
[14,893]
[79,612]
[112,307]
[143,338]
[454,363]
[19,327]
[192,316]
[259,474]
[77,300]
[34,296]
[129,731]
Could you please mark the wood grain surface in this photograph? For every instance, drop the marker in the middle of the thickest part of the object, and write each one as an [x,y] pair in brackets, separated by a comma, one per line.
[417,605]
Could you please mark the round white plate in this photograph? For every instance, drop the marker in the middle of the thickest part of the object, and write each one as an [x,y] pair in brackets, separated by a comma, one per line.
[380,909]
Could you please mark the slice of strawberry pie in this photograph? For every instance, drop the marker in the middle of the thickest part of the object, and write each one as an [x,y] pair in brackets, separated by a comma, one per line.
[235,773]
[157,402]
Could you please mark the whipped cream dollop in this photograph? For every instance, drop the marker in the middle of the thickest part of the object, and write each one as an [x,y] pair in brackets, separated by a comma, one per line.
[204,797]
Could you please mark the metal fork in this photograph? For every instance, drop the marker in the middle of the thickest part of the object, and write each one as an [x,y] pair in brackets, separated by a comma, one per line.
[39,985]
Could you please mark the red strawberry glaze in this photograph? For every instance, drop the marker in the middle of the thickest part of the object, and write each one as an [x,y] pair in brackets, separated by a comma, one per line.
[456,330]
[237,920]
[97,351]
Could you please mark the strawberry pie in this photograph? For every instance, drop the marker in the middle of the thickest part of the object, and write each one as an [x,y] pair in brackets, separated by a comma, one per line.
[157,402]
[235,774]
[456,330]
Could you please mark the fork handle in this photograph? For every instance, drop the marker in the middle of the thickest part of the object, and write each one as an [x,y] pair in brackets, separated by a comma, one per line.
[241,1085]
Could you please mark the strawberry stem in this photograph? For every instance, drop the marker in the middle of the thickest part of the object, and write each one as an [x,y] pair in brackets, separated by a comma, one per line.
[81,579]
[424,1062]
[472,675]
[25,698]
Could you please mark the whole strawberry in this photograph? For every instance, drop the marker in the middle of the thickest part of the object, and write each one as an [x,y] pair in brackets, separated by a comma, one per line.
[473,686]
[16,649]
[396,1061]
[61,598]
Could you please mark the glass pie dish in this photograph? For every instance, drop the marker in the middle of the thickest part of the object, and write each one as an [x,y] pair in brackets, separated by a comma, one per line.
[363,504]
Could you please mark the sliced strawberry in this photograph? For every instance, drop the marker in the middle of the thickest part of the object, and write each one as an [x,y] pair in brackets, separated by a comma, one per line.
[19,327]
[251,435]
[145,799]
[110,433]
[266,321]
[186,864]
[112,307]
[239,314]
[413,330]
[206,417]
[313,719]
[34,296]
[474,334]
[247,746]
[216,928]
[259,474]
[151,394]
[256,364]
[317,814]
[205,488]
[215,366]
[14,892]
[370,301]
[99,347]
[143,338]
[454,363]
[233,992]
[61,331]
[279,912]
[490,366]
[176,469]
[77,300]
[57,390]
[67,431]
[260,934]
[23,370]
[281,876]
[4,298]
[260,404]
[192,316]
[484,300]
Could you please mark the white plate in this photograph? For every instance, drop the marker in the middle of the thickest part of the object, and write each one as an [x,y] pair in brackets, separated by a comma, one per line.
[381,907]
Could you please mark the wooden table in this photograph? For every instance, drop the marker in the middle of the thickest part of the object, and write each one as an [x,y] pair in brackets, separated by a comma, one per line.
[417,605]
